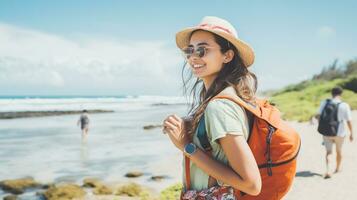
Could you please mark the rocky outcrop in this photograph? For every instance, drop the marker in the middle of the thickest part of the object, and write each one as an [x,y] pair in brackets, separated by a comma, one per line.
[148,127]
[92,188]
[65,191]
[158,178]
[133,174]
[18,186]
[91,182]
[99,187]
[10,197]
[131,190]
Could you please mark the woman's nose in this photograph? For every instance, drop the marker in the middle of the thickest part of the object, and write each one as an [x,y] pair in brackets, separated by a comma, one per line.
[194,57]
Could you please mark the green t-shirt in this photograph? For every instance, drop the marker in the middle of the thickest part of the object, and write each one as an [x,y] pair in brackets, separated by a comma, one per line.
[222,116]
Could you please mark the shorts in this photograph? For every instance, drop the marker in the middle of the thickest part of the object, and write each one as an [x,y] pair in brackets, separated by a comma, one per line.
[84,126]
[329,141]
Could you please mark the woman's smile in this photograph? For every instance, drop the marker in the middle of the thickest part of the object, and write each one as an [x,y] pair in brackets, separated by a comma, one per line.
[198,68]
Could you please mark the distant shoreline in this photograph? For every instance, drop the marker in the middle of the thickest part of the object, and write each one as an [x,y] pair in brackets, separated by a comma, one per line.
[30,114]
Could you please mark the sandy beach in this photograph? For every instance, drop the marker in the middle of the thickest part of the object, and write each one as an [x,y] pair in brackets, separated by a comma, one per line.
[309,182]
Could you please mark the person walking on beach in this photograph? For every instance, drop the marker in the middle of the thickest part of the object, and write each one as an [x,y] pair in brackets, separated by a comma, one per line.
[333,115]
[83,121]
[222,164]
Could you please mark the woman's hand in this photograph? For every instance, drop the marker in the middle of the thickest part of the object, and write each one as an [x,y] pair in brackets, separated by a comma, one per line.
[174,126]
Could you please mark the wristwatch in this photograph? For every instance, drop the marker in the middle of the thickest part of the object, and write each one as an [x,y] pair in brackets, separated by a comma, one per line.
[190,148]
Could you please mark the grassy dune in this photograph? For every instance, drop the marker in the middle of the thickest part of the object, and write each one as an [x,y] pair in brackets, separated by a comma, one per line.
[300,101]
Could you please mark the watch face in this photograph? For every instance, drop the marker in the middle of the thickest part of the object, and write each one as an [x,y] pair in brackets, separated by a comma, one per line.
[190,148]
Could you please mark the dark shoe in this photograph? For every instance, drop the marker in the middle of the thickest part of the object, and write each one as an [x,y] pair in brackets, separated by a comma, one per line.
[327,176]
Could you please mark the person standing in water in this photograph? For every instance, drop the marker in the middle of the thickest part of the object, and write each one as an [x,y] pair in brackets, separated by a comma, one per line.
[83,121]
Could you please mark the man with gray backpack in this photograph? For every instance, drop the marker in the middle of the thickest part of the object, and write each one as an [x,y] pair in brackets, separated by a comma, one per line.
[333,116]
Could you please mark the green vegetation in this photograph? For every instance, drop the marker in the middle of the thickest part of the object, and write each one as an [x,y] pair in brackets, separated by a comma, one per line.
[135,190]
[300,101]
[171,193]
[131,190]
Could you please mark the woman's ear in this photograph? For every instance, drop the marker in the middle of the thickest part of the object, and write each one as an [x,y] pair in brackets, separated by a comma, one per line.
[228,56]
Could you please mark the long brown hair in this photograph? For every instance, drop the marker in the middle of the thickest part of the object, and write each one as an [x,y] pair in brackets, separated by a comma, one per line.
[234,73]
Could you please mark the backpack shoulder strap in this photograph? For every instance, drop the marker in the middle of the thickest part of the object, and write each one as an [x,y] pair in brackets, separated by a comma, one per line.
[263,109]
[202,132]
[187,173]
[254,109]
[337,106]
[327,101]
[203,139]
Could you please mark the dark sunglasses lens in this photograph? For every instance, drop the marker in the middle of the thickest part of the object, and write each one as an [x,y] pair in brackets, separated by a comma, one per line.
[200,51]
[188,51]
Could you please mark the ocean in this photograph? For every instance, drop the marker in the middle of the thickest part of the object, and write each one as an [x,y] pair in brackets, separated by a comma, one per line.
[50,149]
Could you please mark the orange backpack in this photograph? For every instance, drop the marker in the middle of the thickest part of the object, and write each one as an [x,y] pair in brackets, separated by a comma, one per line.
[275,147]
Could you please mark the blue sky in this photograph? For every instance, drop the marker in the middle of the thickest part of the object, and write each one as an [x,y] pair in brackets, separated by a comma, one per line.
[128,47]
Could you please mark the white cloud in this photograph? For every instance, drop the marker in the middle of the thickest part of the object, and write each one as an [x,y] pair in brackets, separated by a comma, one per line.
[325,32]
[56,79]
[30,59]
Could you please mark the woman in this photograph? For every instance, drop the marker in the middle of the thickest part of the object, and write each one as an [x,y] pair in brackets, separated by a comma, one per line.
[219,61]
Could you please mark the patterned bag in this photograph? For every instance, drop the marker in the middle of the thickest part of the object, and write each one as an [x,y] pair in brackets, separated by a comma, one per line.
[212,193]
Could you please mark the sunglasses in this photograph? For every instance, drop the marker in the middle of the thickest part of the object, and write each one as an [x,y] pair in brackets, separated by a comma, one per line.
[200,51]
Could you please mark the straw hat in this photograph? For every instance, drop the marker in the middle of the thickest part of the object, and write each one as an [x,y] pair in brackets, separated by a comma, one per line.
[222,28]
